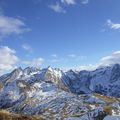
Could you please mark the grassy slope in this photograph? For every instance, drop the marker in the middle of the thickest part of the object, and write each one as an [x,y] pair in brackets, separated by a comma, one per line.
[5,115]
[107,99]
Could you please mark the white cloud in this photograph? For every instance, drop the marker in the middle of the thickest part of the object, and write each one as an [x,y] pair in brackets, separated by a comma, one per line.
[68,2]
[11,25]
[84,1]
[54,55]
[8,58]
[57,8]
[114,58]
[111,59]
[87,67]
[36,62]
[27,47]
[77,57]
[112,25]
[61,4]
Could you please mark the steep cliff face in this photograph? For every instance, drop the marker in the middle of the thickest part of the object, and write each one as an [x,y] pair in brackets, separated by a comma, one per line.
[15,74]
[106,80]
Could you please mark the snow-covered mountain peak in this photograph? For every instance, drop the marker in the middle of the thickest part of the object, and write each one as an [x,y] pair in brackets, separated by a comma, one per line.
[31,70]
[76,82]
[50,68]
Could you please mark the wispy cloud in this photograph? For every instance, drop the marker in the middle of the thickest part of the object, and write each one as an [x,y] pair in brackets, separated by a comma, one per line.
[114,58]
[67,58]
[27,47]
[55,58]
[88,67]
[11,25]
[69,2]
[36,62]
[111,59]
[73,2]
[57,8]
[84,1]
[77,57]
[61,5]
[112,25]
[8,58]
[54,55]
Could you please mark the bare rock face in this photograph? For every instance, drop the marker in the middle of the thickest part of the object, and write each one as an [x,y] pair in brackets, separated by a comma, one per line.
[15,74]
[115,75]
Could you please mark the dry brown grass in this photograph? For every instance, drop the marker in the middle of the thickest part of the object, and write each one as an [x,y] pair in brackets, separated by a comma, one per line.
[5,115]
[108,110]
[107,99]
[1,86]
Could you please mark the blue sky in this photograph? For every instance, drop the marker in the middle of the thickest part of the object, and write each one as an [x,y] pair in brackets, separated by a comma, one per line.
[60,33]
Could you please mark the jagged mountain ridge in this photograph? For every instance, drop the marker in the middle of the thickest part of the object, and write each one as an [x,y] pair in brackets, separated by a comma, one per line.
[53,91]
[105,80]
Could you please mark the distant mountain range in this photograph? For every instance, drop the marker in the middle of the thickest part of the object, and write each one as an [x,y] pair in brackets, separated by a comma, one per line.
[55,94]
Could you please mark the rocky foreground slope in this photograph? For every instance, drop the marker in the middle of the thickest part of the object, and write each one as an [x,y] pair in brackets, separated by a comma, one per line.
[54,94]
